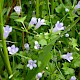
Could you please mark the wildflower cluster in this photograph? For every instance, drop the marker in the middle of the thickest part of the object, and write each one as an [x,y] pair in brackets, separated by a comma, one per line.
[53,49]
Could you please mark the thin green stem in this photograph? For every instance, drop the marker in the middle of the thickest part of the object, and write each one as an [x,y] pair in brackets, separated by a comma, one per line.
[8,67]
[64,17]
[47,7]
[49,12]
[9,41]
[5,55]
[23,40]
[73,31]
[52,6]
[14,36]
[24,31]
[2,56]
[23,56]
[37,8]
[23,37]
[57,65]
[13,62]
[41,8]
[59,70]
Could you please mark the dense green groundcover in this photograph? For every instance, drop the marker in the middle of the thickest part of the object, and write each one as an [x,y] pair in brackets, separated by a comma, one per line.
[39,40]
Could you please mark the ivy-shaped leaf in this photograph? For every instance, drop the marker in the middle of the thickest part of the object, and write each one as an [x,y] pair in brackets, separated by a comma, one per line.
[68,70]
[73,42]
[59,8]
[43,42]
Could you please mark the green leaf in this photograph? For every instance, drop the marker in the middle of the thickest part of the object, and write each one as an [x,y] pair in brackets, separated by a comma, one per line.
[20,66]
[73,42]
[14,16]
[76,60]
[44,58]
[21,19]
[68,70]
[72,16]
[59,8]
[77,64]
[43,42]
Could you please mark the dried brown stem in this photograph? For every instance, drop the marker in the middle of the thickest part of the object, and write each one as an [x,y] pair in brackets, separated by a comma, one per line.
[8,17]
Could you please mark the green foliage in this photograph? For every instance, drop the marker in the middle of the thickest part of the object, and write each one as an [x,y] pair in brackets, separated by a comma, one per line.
[1,45]
[43,42]
[60,8]
[52,45]
[73,42]
[76,61]
[68,71]
[21,19]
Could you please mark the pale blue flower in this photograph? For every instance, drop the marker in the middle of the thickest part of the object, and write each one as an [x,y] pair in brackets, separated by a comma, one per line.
[33,21]
[17,9]
[58,26]
[77,6]
[12,50]
[7,30]
[73,78]
[26,45]
[31,64]
[68,56]
[37,46]
[38,76]
[39,23]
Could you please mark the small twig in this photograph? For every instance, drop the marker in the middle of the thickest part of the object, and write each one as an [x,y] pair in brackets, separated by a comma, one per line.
[8,17]
[9,41]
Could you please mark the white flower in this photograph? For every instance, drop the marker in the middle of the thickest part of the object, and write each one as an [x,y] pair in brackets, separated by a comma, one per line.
[66,9]
[66,35]
[26,45]
[12,50]
[17,9]
[77,6]
[73,78]
[39,23]
[7,30]
[33,21]
[38,76]
[68,56]
[31,64]
[58,26]
[30,2]
[37,46]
